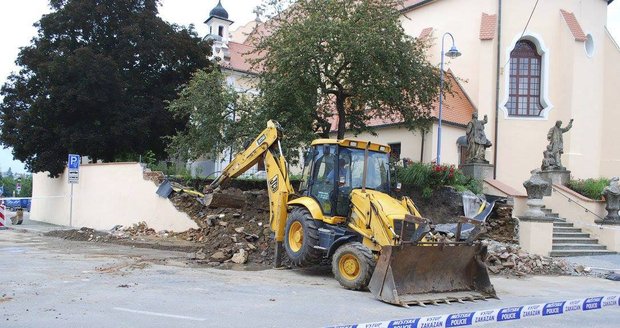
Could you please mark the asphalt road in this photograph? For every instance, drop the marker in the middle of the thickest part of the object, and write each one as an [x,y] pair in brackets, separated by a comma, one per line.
[49,282]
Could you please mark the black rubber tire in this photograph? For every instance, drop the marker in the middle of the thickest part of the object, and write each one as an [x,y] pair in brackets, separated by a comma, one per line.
[366,265]
[307,255]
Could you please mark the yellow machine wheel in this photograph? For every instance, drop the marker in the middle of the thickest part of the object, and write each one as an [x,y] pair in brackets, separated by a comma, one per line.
[353,265]
[301,235]
[349,267]
[296,236]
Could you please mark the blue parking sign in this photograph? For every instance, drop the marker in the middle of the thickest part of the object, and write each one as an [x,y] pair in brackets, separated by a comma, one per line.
[74,161]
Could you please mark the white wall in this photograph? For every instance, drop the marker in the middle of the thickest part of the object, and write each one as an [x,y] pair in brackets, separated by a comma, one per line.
[411,141]
[107,195]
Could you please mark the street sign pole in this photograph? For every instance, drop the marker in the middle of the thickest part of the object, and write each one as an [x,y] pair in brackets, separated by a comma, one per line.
[73,174]
[71,207]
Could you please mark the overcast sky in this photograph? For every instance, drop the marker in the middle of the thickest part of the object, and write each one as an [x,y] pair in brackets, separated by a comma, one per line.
[17,17]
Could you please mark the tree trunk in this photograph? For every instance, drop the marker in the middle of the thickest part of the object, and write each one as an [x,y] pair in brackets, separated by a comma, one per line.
[341,115]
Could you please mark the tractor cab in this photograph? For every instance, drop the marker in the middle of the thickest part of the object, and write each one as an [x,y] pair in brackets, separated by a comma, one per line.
[333,168]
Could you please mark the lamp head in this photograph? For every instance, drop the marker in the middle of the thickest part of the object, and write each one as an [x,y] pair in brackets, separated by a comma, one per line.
[453,52]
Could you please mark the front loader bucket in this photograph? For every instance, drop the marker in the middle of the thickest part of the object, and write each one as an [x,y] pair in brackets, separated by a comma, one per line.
[431,274]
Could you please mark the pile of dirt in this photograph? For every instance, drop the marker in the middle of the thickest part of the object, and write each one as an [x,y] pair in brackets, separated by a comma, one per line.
[444,206]
[83,234]
[501,226]
[510,260]
[224,235]
[239,235]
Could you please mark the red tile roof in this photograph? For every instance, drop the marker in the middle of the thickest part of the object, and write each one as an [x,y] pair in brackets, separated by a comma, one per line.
[457,108]
[240,57]
[573,25]
[425,33]
[488,25]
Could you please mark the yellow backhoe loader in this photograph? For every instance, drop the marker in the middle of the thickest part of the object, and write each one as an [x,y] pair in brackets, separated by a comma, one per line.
[343,212]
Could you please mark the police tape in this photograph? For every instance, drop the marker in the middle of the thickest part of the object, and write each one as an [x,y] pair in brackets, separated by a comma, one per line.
[498,315]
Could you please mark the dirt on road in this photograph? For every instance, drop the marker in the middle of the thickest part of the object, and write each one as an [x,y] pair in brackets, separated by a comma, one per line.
[225,235]
[242,236]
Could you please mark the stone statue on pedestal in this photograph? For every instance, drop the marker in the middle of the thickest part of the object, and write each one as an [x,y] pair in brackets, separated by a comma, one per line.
[477,141]
[612,200]
[553,155]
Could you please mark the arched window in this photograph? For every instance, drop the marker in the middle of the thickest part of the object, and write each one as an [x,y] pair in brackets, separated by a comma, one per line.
[525,80]
[220,31]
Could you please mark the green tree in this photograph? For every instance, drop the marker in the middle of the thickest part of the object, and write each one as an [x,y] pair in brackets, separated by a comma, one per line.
[94,81]
[344,59]
[10,182]
[217,116]
[26,186]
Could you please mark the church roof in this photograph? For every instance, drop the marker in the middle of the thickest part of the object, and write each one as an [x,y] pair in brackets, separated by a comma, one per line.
[219,11]
[457,108]
[241,56]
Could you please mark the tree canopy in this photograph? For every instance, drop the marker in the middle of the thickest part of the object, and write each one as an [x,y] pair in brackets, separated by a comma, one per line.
[348,60]
[94,81]
[218,117]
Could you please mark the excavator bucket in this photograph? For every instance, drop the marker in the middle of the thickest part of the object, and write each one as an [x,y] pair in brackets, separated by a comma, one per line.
[412,274]
[165,189]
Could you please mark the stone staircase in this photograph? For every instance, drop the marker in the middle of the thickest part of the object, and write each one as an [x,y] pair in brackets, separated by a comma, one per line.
[571,241]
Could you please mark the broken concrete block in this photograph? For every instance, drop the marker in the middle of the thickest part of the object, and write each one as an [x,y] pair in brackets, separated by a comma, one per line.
[218,256]
[240,257]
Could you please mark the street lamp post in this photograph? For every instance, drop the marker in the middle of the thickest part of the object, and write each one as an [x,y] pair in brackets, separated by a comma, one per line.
[452,53]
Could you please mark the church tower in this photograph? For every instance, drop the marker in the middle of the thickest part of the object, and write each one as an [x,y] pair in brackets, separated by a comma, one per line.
[219,26]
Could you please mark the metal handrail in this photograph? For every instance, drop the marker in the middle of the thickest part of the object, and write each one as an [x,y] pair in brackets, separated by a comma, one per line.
[571,201]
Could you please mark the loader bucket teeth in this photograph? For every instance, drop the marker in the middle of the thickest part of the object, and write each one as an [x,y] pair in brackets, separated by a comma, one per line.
[430,274]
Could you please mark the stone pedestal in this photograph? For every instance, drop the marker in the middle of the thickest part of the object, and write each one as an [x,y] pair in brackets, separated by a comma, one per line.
[612,205]
[560,177]
[534,211]
[536,235]
[608,222]
[608,237]
[479,171]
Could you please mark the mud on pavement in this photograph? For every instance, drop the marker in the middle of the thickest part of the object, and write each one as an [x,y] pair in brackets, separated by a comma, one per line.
[225,235]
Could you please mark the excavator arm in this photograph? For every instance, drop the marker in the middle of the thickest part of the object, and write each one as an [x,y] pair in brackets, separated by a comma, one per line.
[267,146]
[244,160]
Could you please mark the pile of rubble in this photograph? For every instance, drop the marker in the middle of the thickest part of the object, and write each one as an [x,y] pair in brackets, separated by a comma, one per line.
[501,226]
[239,235]
[242,235]
[224,235]
[83,234]
[510,259]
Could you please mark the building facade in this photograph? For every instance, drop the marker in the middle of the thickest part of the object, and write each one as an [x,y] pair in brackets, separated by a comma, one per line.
[528,64]
[525,64]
